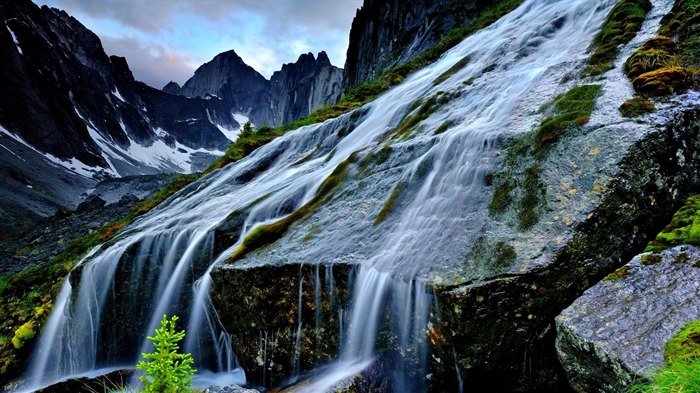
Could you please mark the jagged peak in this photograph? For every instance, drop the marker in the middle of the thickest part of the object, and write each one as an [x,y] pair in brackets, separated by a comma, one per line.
[322,58]
[172,87]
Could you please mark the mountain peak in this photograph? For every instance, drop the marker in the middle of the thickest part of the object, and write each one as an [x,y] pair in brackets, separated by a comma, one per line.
[172,88]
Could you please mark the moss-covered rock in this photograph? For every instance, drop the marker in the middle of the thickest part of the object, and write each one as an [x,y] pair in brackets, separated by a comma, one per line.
[656,53]
[663,81]
[637,106]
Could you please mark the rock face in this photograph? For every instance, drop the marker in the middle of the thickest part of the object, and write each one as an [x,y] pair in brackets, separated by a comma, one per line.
[273,337]
[290,94]
[386,33]
[617,330]
[71,115]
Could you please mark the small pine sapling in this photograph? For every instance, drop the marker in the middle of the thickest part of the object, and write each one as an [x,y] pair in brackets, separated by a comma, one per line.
[167,371]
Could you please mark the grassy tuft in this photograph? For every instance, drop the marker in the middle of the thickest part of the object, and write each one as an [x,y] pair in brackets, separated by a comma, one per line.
[682,370]
[621,25]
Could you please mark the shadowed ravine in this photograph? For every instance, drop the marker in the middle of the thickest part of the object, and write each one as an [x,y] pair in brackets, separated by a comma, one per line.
[407,201]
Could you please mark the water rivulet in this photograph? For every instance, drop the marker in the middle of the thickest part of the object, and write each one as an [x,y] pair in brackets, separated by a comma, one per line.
[396,188]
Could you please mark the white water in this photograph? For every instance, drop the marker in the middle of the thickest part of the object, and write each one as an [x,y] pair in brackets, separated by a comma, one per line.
[161,263]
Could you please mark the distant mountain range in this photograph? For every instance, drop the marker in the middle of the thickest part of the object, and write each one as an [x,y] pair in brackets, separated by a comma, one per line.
[290,94]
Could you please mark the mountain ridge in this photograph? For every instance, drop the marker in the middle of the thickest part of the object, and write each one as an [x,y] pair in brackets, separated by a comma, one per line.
[273,101]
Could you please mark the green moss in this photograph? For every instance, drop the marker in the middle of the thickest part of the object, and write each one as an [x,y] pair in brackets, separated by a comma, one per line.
[621,25]
[23,333]
[684,227]
[618,274]
[443,127]
[502,198]
[637,106]
[497,255]
[389,205]
[414,116]
[651,259]
[532,200]
[453,70]
[568,112]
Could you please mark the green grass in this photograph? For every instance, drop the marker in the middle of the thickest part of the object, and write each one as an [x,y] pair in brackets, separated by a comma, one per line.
[682,370]
[390,203]
[567,112]
[453,70]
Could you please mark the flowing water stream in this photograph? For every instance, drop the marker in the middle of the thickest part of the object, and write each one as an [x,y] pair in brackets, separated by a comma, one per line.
[161,263]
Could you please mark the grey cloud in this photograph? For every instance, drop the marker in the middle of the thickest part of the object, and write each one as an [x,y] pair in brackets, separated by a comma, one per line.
[152,64]
[322,16]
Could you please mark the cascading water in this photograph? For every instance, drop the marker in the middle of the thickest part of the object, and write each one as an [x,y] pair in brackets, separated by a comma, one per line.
[161,264]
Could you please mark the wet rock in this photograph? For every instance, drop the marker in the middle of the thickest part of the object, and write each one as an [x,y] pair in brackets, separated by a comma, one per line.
[650,183]
[114,380]
[272,337]
[229,389]
[617,330]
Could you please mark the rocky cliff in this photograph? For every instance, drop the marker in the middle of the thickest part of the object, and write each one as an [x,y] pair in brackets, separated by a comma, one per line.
[290,94]
[71,115]
[386,33]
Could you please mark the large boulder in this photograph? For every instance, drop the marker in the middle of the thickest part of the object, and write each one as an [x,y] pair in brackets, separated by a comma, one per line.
[616,332]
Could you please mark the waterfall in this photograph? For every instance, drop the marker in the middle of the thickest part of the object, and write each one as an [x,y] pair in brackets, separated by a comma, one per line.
[161,263]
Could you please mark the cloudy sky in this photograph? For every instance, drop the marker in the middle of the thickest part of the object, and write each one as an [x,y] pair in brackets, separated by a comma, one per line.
[166,40]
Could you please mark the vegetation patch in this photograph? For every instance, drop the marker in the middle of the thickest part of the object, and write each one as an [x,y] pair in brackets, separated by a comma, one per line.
[669,62]
[567,112]
[684,227]
[651,259]
[636,107]
[618,274]
[621,25]
[682,370]
[390,203]
[453,70]
[443,127]
[492,255]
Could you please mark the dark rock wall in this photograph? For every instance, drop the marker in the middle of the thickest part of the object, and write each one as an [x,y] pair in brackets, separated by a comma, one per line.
[259,307]
[387,33]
